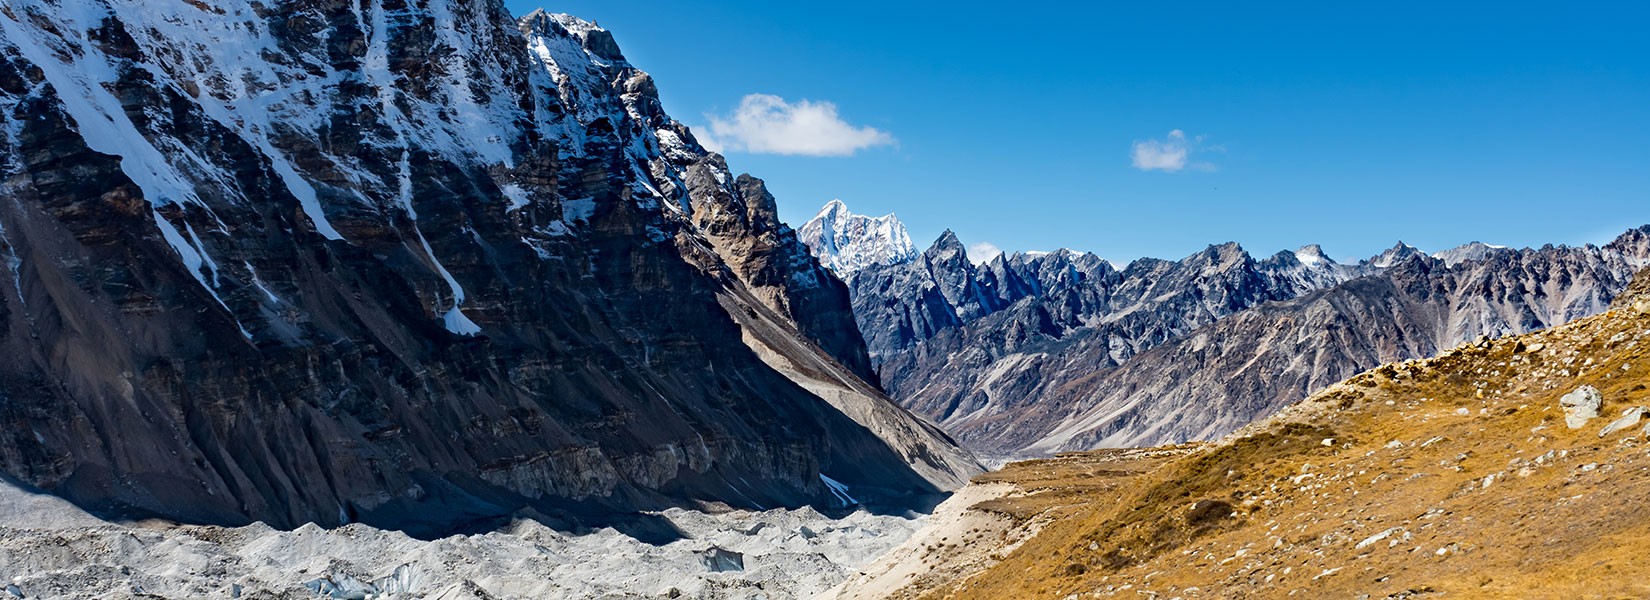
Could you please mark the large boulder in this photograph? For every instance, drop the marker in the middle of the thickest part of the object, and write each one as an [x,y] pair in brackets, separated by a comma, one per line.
[1629,418]
[1580,406]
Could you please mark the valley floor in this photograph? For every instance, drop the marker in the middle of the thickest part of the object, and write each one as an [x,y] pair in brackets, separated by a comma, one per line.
[1461,476]
[51,549]
[1452,477]
[991,517]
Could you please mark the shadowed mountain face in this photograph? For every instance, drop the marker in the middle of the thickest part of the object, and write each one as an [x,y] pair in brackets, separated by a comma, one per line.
[1029,354]
[408,263]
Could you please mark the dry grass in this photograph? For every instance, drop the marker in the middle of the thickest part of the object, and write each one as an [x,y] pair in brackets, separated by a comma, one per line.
[1463,462]
[1051,487]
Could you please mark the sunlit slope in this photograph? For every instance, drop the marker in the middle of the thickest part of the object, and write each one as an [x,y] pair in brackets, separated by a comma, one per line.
[1452,476]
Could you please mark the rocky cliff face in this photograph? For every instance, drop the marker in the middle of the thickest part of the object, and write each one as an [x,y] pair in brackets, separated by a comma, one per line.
[1222,376]
[1054,294]
[407,262]
[740,220]
[970,345]
[1060,351]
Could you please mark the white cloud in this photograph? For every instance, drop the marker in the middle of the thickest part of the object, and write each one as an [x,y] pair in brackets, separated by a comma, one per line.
[1170,155]
[767,124]
[983,252]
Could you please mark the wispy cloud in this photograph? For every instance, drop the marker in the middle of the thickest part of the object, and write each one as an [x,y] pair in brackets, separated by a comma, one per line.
[1171,154]
[767,124]
[983,252]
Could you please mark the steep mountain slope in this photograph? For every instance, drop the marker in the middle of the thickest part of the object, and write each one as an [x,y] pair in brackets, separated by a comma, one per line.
[407,263]
[1222,376]
[900,306]
[967,343]
[1473,474]
[845,242]
[1061,352]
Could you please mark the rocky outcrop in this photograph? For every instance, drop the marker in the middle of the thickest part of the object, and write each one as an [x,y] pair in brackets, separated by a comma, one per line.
[1580,406]
[411,264]
[741,221]
[1637,295]
[1629,417]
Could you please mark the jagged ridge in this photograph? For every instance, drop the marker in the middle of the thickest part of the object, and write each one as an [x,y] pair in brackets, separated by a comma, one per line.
[1047,352]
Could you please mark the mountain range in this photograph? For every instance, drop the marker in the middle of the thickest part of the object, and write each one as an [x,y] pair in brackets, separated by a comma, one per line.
[1028,354]
[426,269]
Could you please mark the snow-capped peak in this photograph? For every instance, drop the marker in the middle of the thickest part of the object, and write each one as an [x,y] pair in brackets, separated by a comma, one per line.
[1312,255]
[845,242]
[1395,255]
[1466,252]
[835,210]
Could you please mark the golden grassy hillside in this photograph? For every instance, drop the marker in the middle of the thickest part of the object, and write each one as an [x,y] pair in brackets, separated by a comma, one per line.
[1454,476]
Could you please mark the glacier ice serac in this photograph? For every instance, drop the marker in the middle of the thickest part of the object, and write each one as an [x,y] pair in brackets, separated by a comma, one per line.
[845,242]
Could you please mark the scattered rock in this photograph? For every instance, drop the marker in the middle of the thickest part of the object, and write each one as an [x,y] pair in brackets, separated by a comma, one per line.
[1629,418]
[1372,540]
[1580,406]
[1204,512]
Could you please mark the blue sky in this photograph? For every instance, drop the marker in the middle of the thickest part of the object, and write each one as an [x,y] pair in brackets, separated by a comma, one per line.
[1026,125]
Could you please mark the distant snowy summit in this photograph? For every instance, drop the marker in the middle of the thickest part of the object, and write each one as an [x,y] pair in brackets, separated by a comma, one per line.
[1472,251]
[845,242]
[1394,255]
